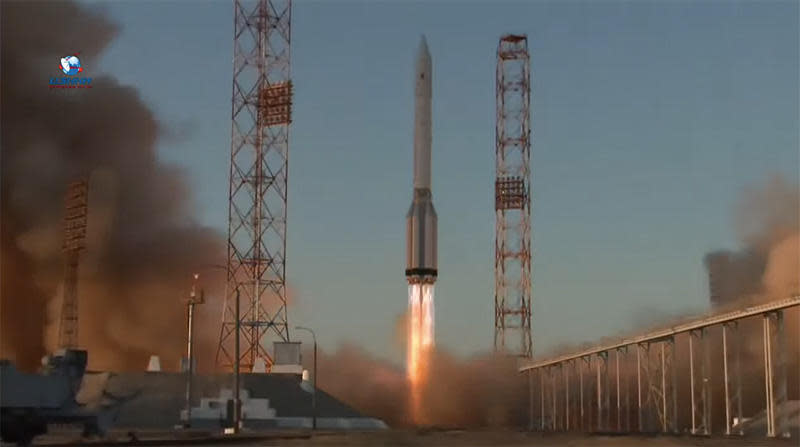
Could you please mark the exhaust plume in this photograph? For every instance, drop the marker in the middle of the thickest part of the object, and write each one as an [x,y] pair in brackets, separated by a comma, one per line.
[420,344]
[482,391]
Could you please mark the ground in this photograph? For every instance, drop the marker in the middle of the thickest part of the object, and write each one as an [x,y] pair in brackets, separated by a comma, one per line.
[443,439]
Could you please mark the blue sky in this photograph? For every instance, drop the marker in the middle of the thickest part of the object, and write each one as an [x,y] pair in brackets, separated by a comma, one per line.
[648,119]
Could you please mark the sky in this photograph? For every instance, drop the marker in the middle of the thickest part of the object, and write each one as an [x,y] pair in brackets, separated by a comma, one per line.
[649,118]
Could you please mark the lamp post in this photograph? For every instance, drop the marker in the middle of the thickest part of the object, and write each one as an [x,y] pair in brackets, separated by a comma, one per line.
[193,300]
[237,408]
[314,393]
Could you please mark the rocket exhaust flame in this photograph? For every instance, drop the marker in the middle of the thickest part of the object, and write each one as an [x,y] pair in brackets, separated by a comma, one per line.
[420,343]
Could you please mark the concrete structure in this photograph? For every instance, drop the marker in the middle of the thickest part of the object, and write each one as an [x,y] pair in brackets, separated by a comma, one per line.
[154,364]
[257,413]
[213,410]
[30,402]
[260,366]
[155,401]
[287,358]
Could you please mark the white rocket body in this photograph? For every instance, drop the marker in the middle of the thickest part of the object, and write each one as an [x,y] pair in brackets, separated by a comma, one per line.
[421,221]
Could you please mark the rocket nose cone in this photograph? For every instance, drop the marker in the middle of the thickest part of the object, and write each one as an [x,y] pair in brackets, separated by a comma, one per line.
[423,55]
[423,45]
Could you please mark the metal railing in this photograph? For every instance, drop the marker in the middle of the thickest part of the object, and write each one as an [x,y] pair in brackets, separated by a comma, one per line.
[655,406]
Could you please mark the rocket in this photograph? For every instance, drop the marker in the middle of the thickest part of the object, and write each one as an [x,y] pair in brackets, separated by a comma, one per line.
[421,221]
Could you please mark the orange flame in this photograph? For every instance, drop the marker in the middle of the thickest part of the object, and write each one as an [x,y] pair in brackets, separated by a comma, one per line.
[420,344]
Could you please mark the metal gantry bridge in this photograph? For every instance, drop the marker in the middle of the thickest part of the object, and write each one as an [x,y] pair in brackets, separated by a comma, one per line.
[575,392]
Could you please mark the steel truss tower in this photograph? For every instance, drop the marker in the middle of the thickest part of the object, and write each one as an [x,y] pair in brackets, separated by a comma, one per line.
[512,262]
[261,114]
[76,211]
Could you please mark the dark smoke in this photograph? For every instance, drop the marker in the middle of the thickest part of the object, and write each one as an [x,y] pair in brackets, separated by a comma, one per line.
[734,275]
[143,241]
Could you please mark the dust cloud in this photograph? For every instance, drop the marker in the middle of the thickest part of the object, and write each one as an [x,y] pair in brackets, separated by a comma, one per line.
[143,241]
[482,391]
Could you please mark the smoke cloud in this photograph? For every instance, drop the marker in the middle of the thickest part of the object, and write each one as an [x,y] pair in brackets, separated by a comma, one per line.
[487,391]
[143,242]
[767,220]
[482,391]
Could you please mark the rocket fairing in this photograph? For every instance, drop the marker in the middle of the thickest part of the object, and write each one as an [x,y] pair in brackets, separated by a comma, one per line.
[421,221]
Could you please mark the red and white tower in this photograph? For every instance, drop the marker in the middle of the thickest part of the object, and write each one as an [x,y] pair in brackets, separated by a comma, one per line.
[261,115]
[512,262]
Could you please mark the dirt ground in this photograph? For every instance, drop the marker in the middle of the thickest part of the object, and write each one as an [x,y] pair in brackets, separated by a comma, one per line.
[444,439]
[500,439]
